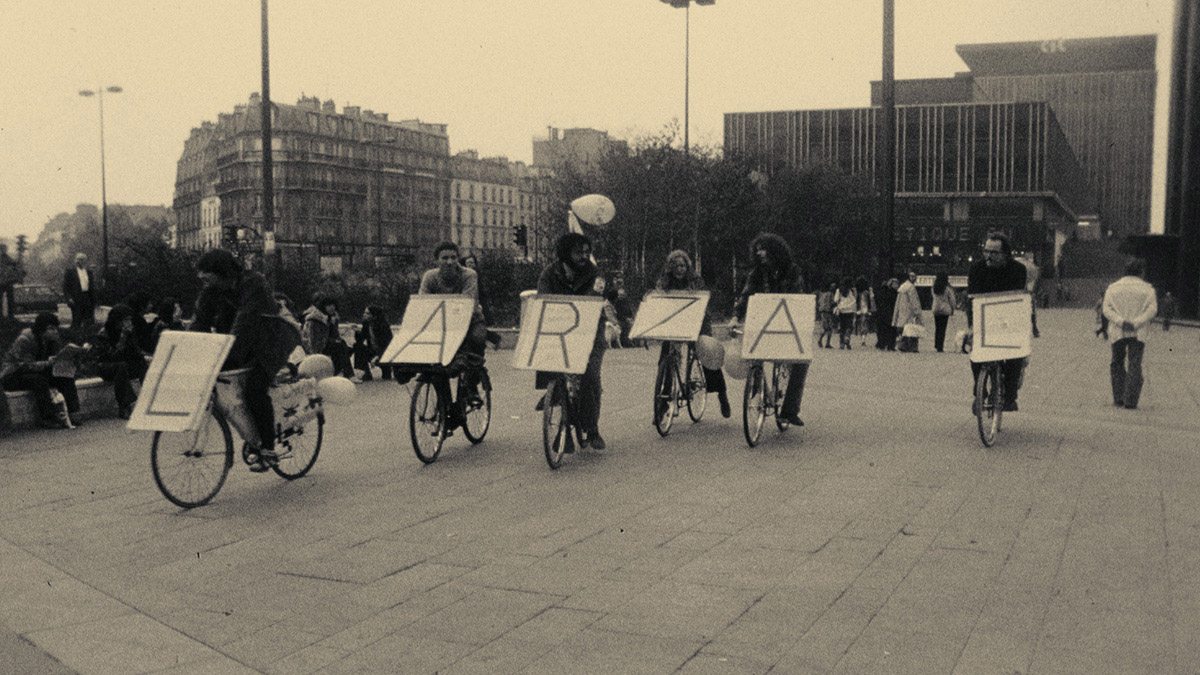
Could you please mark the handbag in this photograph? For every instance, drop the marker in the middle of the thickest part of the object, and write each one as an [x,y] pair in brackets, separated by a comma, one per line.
[913,330]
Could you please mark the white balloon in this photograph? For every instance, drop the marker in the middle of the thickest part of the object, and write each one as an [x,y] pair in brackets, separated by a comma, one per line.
[735,366]
[337,390]
[316,366]
[710,352]
[596,210]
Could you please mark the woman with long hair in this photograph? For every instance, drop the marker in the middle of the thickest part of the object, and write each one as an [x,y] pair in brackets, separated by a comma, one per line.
[943,308]
[679,275]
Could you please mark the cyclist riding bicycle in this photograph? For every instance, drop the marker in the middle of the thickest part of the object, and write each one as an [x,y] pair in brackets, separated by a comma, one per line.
[451,278]
[678,275]
[239,302]
[774,272]
[574,273]
[997,272]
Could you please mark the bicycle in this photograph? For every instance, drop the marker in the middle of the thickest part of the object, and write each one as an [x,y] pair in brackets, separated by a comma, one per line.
[190,467]
[561,432]
[428,413]
[763,397]
[673,387]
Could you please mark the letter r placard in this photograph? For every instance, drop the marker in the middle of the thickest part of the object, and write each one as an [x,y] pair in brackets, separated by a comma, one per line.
[432,330]
[779,327]
[557,333]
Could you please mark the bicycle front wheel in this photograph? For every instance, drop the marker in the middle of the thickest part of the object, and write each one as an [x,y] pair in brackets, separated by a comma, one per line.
[556,428]
[697,387]
[190,467]
[665,395]
[989,403]
[427,422]
[298,449]
[477,409]
[754,411]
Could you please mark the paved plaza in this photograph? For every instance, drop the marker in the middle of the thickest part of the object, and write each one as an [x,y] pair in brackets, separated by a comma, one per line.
[879,538]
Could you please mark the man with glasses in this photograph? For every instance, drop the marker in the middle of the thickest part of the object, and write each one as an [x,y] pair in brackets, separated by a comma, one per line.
[995,273]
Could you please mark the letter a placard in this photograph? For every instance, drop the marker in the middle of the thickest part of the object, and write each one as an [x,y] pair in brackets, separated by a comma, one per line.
[671,315]
[779,327]
[557,333]
[432,329]
[179,381]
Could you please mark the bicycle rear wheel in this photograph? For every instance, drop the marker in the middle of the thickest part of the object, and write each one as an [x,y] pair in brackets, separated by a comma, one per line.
[477,408]
[754,411]
[556,427]
[697,388]
[298,449]
[189,468]
[427,422]
[780,373]
[989,403]
[666,394]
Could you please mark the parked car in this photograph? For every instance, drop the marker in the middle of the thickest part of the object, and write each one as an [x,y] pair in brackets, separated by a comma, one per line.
[29,298]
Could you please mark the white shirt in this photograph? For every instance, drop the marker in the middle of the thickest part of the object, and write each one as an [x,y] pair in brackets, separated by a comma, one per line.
[83,278]
[1130,299]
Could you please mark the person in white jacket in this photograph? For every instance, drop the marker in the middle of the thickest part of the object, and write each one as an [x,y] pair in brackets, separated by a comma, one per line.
[1129,305]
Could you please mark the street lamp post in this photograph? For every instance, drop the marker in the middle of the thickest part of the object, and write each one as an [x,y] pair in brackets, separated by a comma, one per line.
[686,5]
[99,94]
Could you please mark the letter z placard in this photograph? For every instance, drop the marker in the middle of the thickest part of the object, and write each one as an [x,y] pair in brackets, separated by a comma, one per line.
[673,315]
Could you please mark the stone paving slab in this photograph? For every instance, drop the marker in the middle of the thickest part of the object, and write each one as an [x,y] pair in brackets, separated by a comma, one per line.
[881,537]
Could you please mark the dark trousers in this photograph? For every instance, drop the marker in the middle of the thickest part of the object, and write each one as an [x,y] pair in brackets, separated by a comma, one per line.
[940,321]
[1126,371]
[362,361]
[117,373]
[39,384]
[795,389]
[845,329]
[1010,372]
[339,353]
[714,379]
[83,314]
[257,394]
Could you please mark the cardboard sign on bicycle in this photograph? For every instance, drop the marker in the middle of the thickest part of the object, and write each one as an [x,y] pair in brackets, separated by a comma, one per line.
[432,330]
[1003,327]
[670,315]
[179,381]
[557,333]
[779,327]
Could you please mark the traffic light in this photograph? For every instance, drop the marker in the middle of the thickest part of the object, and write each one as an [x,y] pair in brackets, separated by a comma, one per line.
[22,246]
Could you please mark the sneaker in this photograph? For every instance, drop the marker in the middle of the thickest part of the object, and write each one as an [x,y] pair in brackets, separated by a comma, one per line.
[723,399]
[595,441]
[793,420]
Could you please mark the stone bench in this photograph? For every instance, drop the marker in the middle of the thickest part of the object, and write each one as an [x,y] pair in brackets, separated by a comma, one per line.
[96,400]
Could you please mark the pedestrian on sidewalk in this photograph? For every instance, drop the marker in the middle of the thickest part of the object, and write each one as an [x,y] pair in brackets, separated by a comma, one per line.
[825,311]
[908,313]
[943,309]
[885,304]
[845,307]
[1167,309]
[866,308]
[1130,304]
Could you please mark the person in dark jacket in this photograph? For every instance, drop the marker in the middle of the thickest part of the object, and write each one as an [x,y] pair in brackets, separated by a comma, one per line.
[79,288]
[774,272]
[574,273]
[28,365]
[168,316]
[885,306]
[238,302]
[139,302]
[321,335]
[370,341]
[996,271]
[679,275]
[118,358]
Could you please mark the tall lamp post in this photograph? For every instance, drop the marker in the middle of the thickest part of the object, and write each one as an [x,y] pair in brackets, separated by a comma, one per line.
[686,5]
[98,92]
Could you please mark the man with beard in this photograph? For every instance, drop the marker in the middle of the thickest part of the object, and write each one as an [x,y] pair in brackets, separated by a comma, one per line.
[574,273]
[994,273]
[774,272]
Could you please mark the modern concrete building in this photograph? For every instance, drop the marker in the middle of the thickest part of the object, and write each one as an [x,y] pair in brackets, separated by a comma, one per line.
[351,187]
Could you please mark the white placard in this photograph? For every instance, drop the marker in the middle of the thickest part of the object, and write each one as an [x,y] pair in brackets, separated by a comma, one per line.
[1002,324]
[670,315]
[179,381]
[779,327]
[557,333]
[432,330]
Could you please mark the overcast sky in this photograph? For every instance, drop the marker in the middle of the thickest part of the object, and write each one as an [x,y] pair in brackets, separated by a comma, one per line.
[498,72]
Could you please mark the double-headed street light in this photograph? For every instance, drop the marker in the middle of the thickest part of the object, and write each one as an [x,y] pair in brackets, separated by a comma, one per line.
[99,93]
[686,6]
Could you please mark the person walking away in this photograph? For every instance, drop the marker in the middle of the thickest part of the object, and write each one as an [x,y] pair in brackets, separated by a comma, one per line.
[825,312]
[29,366]
[1167,308]
[845,308]
[79,288]
[1102,331]
[943,309]
[885,305]
[1130,304]
[865,309]
[238,302]
[574,273]
[774,272]
[907,312]
[679,275]
[996,272]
